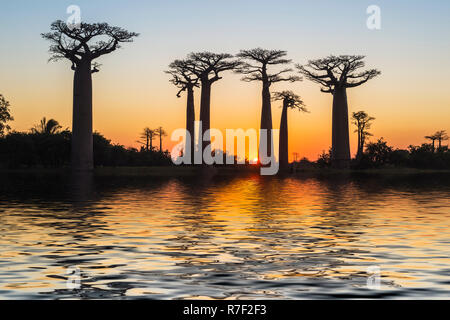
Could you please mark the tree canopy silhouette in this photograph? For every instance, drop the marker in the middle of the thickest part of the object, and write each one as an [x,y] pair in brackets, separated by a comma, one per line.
[363,123]
[161,133]
[147,135]
[47,127]
[185,80]
[441,136]
[336,74]
[207,67]
[290,101]
[82,45]
[433,139]
[5,115]
[255,68]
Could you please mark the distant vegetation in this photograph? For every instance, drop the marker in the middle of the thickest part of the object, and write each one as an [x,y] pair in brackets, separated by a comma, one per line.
[47,145]
[380,155]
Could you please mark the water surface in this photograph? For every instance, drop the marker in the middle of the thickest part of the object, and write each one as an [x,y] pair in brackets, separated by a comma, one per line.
[246,237]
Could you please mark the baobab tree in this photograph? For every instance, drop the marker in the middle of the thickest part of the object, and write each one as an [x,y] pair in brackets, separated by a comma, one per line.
[255,68]
[81,46]
[161,133]
[433,138]
[147,135]
[336,74]
[441,136]
[207,66]
[290,101]
[363,122]
[185,80]
[5,115]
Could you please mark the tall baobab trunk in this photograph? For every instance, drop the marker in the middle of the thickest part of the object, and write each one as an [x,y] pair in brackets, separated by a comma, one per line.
[205,114]
[190,120]
[82,141]
[340,135]
[266,119]
[284,152]
[361,142]
[360,147]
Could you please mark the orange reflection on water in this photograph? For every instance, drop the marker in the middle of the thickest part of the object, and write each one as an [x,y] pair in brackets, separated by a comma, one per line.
[231,237]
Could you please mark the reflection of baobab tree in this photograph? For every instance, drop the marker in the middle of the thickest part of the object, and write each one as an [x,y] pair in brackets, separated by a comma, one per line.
[81,46]
[194,225]
[336,74]
[255,68]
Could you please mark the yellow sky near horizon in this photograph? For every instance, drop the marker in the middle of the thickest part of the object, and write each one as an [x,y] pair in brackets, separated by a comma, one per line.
[409,100]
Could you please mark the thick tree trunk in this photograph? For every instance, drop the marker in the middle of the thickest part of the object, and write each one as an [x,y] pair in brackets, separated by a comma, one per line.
[190,120]
[205,114]
[360,146]
[283,147]
[340,135]
[266,119]
[82,141]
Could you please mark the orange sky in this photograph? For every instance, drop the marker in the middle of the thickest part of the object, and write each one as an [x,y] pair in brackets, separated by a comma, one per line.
[409,100]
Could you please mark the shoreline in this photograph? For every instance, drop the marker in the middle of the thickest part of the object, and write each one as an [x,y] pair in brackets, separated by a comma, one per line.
[184,171]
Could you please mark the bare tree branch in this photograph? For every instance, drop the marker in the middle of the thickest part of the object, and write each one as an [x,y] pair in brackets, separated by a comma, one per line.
[291,100]
[337,72]
[264,58]
[79,43]
[182,77]
[205,64]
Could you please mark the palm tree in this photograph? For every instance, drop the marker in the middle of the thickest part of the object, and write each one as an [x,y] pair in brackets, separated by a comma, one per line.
[363,122]
[47,127]
[290,101]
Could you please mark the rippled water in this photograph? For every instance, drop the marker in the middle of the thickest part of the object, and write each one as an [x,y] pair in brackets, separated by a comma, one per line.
[246,237]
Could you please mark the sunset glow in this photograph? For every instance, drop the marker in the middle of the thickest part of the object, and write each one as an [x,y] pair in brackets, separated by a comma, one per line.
[409,100]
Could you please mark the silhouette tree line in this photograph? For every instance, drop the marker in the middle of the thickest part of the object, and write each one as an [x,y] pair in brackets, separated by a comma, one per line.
[148,135]
[87,42]
[47,145]
[379,154]
[335,74]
